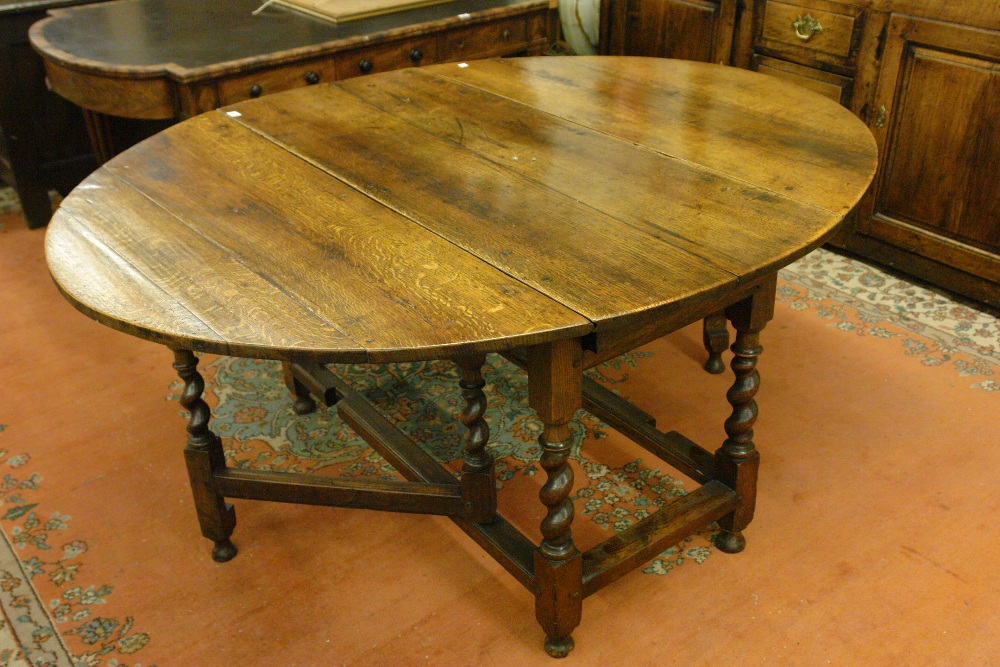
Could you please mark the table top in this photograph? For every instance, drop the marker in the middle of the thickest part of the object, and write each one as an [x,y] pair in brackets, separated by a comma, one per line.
[458,208]
[189,39]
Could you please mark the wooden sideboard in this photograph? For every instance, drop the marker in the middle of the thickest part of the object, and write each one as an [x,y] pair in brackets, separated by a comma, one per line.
[173,59]
[924,75]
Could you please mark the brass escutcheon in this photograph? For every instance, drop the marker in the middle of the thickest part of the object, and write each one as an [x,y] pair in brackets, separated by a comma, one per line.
[880,116]
[805,27]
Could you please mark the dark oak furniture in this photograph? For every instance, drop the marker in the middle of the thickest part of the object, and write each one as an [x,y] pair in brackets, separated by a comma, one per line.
[173,59]
[43,141]
[924,75]
[560,211]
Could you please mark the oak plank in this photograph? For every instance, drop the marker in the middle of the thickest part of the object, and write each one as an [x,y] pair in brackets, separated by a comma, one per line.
[739,227]
[98,282]
[579,256]
[741,124]
[225,296]
[400,291]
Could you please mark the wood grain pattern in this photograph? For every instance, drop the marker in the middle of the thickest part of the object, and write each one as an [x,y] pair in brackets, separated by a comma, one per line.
[750,128]
[401,226]
[651,192]
[205,289]
[525,228]
[340,257]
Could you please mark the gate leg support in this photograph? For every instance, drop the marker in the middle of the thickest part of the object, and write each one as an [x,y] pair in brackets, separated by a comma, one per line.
[715,335]
[304,402]
[204,455]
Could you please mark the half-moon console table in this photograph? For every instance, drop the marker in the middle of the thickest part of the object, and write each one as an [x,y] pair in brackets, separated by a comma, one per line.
[173,59]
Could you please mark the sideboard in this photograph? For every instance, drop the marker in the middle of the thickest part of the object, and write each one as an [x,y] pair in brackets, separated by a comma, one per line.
[173,59]
[924,75]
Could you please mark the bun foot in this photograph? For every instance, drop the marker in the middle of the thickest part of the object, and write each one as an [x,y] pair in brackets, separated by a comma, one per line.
[559,648]
[731,543]
[223,551]
[715,365]
[304,405]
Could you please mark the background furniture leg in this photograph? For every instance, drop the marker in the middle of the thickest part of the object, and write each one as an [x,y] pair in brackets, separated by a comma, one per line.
[715,334]
[99,131]
[555,391]
[204,455]
[304,402]
[479,487]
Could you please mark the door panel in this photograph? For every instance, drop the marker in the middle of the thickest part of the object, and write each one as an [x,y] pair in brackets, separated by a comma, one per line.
[660,28]
[945,151]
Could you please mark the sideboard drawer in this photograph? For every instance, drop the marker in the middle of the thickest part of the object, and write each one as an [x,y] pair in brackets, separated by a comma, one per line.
[837,88]
[387,57]
[485,40]
[275,80]
[827,32]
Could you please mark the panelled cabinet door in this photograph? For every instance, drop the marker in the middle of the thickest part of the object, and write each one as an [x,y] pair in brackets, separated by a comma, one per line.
[935,117]
[686,29]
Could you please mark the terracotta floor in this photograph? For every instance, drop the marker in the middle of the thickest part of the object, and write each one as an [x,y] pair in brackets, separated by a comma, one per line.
[874,541]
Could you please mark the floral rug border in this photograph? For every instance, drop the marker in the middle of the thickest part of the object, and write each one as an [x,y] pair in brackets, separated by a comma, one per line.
[42,632]
[863,300]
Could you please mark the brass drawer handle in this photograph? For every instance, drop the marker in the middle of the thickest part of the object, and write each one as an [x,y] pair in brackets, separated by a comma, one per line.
[805,27]
[505,36]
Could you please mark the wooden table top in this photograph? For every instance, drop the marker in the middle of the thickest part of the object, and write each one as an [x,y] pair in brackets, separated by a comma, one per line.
[464,207]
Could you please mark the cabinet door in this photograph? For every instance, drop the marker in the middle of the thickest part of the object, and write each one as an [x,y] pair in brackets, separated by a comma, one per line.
[686,29]
[935,117]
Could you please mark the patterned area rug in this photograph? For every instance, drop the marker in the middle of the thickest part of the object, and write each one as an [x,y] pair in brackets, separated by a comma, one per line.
[53,608]
[863,301]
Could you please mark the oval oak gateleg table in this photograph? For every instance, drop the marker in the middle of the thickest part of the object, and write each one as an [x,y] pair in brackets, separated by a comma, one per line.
[560,211]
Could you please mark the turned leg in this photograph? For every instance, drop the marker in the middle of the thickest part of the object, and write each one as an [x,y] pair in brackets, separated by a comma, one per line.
[99,131]
[715,334]
[304,402]
[555,391]
[737,460]
[479,488]
[204,455]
